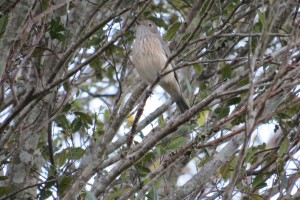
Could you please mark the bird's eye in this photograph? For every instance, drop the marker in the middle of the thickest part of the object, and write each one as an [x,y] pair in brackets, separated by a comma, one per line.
[150,25]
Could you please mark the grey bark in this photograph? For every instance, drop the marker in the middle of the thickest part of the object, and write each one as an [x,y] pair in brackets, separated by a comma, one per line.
[16,21]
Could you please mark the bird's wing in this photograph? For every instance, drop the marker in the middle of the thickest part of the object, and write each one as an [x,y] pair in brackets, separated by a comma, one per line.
[165,47]
[168,54]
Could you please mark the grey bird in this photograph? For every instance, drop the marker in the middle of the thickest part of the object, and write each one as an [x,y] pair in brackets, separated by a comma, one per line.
[149,56]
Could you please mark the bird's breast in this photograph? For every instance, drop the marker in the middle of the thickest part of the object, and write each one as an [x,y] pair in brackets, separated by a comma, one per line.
[148,57]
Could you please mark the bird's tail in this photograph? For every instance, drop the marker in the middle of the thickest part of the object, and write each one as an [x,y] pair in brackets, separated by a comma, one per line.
[182,105]
[174,91]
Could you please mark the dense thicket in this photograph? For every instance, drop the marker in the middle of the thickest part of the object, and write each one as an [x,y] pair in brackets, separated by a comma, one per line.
[78,122]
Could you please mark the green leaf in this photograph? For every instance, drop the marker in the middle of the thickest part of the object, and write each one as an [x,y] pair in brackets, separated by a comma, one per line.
[254,41]
[69,153]
[44,5]
[90,196]
[284,181]
[45,194]
[262,19]
[280,165]
[198,68]
[185,36]
[63,184]
[257,180]
[99,131]
[76,125]
[203,8]
[222,112]
[152,193]
[202,118]
[3,178]
[207,28]
[160,149]
[63,122]
[225,171]
[183,129]
[96,64]
[38,52]
[172,30]
[143,171]
[243,82]
[4,190]
[55,29]
[149,157]
[85,117]
[257,197]
[251,154]
[260,185]
[3,23]
[202,86]
[238,120]
[76,153]
[106,115]
[117,193]
[60,158]
[161,121]
[72,5]
[67,107]
[226,72]
[233,101]
[128,2]
[284,147]
[176,143]
[59,36]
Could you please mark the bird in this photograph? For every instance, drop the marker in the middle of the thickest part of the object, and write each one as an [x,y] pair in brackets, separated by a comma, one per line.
[149,56]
